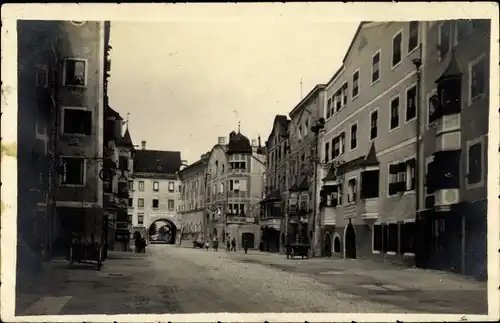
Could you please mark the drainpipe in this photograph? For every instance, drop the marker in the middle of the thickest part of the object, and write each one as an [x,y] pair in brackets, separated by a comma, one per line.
[418,63]
[315,169]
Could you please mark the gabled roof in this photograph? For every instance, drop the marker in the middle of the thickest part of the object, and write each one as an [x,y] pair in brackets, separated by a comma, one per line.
[369,160]
[157,161]
[282,122]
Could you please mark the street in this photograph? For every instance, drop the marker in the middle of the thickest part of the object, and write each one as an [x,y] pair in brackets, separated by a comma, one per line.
[173,279]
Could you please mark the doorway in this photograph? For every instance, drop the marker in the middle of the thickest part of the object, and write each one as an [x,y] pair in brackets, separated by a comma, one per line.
[336,245]
[248,239]
[350,242]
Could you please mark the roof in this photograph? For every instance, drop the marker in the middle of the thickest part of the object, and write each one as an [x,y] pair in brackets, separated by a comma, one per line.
[452,70]
[157,161]
[109,112]
[283,122]
[201,162]
[273,196]
[238,144]
[306,99]
[126,140]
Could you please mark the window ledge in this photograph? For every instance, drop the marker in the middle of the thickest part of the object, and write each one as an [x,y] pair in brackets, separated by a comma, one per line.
[411,51]
[73,135]
[72,185]
[393,67]
[410,120]
[74,86]
[375,82]
[406,193]
[409,254]
[375,252]
[391,253]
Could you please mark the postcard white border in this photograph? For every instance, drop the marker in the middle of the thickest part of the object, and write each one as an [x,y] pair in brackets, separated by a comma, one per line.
[260,12]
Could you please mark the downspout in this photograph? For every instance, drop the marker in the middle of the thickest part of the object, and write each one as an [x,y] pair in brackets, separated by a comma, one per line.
[315,170]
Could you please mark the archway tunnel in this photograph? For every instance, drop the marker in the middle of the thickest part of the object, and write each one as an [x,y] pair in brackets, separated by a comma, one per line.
[162,230]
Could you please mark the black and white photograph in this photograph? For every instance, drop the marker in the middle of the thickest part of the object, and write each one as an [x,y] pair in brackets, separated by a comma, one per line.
[250,162]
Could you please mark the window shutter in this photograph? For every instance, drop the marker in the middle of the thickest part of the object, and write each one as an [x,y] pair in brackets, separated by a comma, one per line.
[243,185]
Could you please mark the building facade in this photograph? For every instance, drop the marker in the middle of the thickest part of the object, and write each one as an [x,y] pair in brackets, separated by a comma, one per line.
[192,206]
[455,114]
[300,216]
[234,190]
[155,191]
[68,87]
[368,195]
[272,219]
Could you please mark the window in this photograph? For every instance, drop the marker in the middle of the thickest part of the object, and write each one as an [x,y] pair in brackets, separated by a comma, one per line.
[306,127]
[75,72]
[351,190]
[397,178]
[140,202]
[463,27]
[171,205]
[140,218]
[474,162]
[374,125]
[141,186]
[221,188]
[171,186]
[477,78]
[396,48]
[73,171]
[77,121]
[328,108]
[130,202]
[155,203]
[431,107]
[156,186]
[130,218]
[344,94]
[429,189]
[444,38]
[377,238]
[238,161]
[410,174]
[370,184]
[411,103]
[392,240]
[327,151]
[130,185]
[355,84]
[123,163]
[413,36]
[42,77]
[338,100]
[335,147]
[394,123]
[354,136]
[408,234]
[238,185]
[376,67]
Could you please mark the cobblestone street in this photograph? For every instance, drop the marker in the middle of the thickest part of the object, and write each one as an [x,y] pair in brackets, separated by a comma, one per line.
[172,279]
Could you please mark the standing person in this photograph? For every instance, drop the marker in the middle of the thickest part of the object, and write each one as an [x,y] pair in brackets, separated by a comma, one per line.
[207,244]
[233,244]
[245,246]
[228,244]
[216,244]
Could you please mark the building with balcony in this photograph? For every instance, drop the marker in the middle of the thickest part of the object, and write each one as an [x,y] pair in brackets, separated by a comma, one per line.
[368,193]
[275,190]
[234,190]
[67,84]
[155,191]
[192,205]
[455,115]
[300,211]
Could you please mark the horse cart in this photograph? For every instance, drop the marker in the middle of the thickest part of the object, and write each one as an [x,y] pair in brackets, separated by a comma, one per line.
[297,249]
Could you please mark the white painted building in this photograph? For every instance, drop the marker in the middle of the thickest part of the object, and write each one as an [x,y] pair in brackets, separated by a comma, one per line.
[155,190]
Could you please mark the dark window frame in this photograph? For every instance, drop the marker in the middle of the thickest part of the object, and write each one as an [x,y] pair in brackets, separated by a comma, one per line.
[397,49]
[394,118]
[77,121]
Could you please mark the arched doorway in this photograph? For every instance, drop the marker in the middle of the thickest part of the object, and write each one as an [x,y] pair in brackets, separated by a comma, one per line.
[162,230]
[350,242]
[336,244]
[327,245]
[248,239]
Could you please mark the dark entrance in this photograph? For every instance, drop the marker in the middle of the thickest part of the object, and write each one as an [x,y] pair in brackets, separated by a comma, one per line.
[271,239]
[350,242]
[327,245]
[248,239]
[336,245]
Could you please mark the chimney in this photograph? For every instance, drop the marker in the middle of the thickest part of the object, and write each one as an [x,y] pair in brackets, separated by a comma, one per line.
[143,145]
[259,142]
[221,140]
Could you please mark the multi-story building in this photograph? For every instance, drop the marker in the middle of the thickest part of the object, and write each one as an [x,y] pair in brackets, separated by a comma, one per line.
[155,191]
[68,86]
[368,196]
[234,190]
[275,190]
[455,114]
[192,206]
[300,216]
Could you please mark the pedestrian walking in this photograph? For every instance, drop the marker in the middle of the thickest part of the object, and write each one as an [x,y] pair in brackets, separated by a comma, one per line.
[216,244]
[207,244]
[228,244]
[233,244]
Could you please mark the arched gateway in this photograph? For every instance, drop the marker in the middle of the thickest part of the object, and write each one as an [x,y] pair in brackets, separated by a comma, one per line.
[170,224]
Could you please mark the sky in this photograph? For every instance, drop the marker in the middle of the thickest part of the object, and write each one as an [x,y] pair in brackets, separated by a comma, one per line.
[187,83]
